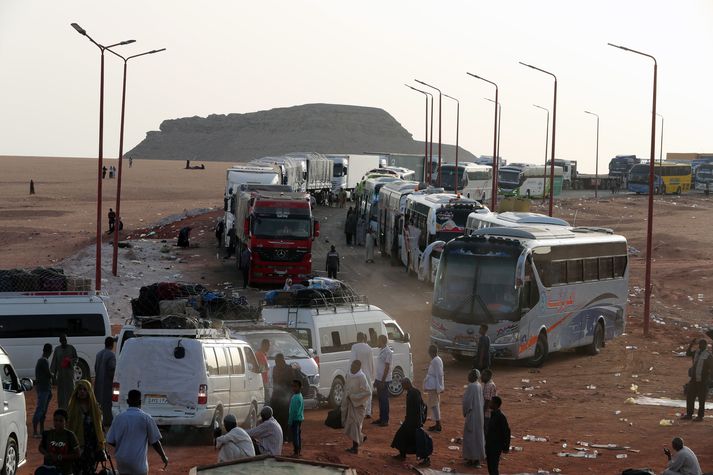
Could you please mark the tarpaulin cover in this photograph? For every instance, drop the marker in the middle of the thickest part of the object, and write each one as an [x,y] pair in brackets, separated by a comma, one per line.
[148,364]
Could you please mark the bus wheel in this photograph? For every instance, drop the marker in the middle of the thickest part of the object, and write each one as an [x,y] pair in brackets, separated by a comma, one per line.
[541,350]
[597,342]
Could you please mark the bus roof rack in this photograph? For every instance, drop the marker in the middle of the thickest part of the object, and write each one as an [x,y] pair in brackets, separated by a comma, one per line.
[592,229]
[525,232]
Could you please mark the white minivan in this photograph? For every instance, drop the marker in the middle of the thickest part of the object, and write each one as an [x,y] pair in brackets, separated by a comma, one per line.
[189,377]
[29,320]
[13,426]
[329,331]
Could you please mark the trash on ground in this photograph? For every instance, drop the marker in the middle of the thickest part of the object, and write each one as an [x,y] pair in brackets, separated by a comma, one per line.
[580,455]
[534,438]
[666,422]
[656,401]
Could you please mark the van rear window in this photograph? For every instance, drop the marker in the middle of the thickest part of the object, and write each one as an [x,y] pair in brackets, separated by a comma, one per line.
[48,326]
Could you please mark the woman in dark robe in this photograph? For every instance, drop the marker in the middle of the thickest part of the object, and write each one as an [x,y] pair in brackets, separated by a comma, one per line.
[282,376]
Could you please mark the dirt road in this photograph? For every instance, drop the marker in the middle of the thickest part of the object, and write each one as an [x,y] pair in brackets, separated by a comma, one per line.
[573,398]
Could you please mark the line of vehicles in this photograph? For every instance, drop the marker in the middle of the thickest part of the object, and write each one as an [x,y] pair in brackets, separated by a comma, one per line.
[670,177]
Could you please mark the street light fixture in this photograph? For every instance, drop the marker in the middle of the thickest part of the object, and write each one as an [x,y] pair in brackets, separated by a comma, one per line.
[100,161]
[547,138]
[457,174]
[115,254]
[494,196]
[596,169]
[650,221]
[440,109]
[554,129]
[427,167]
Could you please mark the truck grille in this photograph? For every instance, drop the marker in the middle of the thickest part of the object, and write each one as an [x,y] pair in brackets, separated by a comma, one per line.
[281,255]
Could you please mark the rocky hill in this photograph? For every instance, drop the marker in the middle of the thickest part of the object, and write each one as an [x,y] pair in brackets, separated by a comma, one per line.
[325,128]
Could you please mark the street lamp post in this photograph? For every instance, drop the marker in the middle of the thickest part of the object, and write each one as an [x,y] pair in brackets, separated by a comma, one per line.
[661,146]
[500,121]
[554,130]
[457,174]
[547,138]
[596,166]
[494,196]
[425,151]
[440,109]
[100,161]
[650,221]
[115,255]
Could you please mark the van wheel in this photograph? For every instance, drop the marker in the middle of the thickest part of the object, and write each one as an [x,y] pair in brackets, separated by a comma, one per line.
[215,423]
[597,342]
[395,386]
[10,461]
[336,393]
[81,371]
[541,350]
[251,421]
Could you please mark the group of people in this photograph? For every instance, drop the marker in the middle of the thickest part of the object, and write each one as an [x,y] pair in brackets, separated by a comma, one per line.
[77,442]
[486,433]
[338,198]
[112,221]
[111,170]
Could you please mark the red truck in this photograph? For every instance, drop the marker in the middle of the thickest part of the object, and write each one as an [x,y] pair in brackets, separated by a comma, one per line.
[278,228]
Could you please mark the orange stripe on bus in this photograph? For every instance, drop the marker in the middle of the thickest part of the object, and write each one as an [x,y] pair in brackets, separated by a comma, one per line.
[533,339]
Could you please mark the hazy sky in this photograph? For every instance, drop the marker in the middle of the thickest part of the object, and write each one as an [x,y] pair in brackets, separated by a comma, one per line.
[243,56]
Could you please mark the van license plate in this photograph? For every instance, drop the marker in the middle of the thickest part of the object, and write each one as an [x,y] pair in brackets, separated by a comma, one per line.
[155,399]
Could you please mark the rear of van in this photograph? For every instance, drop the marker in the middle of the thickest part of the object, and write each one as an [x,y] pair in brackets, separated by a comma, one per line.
[173,388]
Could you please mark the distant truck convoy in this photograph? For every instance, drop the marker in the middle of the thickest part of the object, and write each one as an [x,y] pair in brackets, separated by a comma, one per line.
[349,169]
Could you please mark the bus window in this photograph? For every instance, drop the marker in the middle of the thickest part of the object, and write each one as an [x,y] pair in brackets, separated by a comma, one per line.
[606,267]
[591,269]
[574,271]
[619,266]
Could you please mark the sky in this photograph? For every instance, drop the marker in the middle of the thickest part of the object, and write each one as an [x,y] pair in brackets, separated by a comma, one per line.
[244,56]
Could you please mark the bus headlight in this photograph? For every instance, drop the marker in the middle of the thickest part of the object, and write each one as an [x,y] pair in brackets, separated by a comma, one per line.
[507,339]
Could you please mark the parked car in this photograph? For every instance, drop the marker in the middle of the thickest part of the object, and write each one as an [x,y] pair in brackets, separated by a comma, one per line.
[283,342]
[13,426]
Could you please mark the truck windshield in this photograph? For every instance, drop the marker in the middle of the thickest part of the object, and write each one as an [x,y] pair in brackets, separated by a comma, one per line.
[339,170]
[266,226]
[476,283]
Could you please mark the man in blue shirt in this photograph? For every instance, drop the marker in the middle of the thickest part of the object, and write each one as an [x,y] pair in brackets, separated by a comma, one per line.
[131,432]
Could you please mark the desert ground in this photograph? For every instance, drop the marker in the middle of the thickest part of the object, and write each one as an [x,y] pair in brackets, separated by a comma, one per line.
[571,400]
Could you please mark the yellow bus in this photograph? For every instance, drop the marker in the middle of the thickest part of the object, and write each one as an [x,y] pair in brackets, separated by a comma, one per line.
[668,178]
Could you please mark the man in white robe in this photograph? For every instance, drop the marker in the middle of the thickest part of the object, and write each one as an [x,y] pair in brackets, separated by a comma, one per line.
[365,354]
[473,434]
[356,393]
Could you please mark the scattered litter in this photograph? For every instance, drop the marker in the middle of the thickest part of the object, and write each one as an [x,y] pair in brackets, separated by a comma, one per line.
[516,449]
[616,413]
[660,402]
[581,455]
[591,386]
[666,422]
[630,400]
[453,447]
[621,456]
[617,374]
[634,387]
[631,347]
[447,470]
[534,438]
[525,381]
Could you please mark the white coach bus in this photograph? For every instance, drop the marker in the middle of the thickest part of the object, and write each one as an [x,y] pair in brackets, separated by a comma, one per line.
[509,219]
[539,289]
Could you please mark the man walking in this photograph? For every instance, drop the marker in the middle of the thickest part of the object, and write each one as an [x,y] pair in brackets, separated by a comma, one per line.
[332,263]
[62,368]
[43,385]
[362,352]
[356,394]
[433,386]
[497,437]
[131,433]
[104,366]
[700,374]
[683,462]
[482,357]
[244,265]
[383,378]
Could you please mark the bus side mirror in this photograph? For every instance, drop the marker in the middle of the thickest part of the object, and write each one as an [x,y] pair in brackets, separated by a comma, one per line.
[246,226]
[316,228]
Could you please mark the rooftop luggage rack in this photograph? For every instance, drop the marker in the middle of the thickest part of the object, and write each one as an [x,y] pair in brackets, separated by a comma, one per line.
[342,295]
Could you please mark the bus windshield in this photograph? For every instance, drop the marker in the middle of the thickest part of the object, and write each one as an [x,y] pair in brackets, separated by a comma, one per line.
[476,284]
[448,177]
[639,174]
[507,176]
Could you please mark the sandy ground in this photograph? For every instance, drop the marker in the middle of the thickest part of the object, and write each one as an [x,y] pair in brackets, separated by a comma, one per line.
[573,398]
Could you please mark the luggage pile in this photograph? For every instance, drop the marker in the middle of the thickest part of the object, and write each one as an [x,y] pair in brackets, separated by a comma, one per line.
[42,279]
[190,300]
[318,291]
